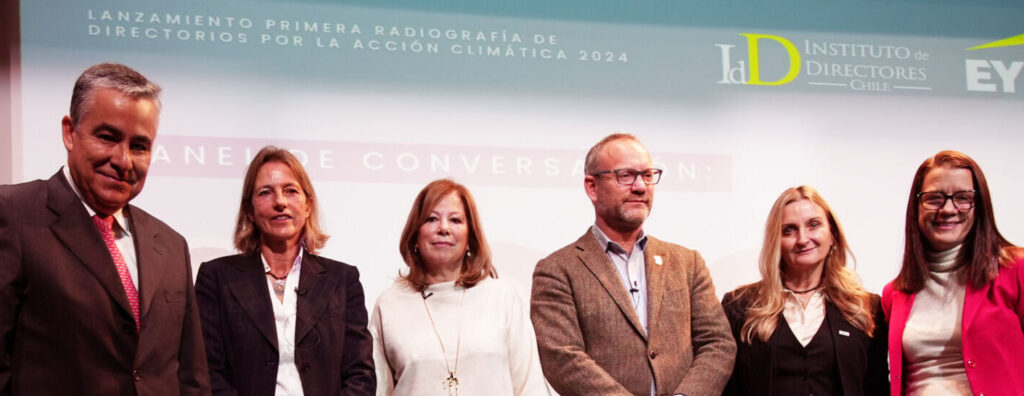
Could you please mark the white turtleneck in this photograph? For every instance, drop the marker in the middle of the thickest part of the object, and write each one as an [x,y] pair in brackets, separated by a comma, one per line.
[932,349]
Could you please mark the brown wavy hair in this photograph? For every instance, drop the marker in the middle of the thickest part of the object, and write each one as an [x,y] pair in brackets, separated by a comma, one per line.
[247,236]
[841,285]
[984,249]
[477,264]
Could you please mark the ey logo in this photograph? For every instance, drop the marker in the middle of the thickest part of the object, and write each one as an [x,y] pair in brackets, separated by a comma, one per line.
[739,73]
[994,75]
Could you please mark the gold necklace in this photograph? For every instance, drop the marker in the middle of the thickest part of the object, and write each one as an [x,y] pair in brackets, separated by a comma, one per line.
[451,384]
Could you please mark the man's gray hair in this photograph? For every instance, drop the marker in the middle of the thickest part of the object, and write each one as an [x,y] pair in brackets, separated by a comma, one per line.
[590,166]
[114,76]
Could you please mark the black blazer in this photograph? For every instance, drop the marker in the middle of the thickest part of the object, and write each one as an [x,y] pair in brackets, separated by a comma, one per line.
[334,350]
[65,324]
[862,360]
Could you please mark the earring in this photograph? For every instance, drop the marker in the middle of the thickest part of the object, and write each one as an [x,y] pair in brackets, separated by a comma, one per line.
[831,249]
[416,249]
[468,254]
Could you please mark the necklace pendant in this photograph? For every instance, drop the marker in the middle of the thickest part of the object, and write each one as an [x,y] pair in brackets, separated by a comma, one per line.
[451,384]
[279,286]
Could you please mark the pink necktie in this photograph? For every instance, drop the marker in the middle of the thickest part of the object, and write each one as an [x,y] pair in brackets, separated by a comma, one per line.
[105,225]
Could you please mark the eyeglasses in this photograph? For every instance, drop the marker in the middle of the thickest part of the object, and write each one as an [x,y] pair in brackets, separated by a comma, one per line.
[935,200]
[628,176]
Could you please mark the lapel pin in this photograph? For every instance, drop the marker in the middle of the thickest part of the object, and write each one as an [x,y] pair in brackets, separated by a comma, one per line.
[844,333]
[657,260]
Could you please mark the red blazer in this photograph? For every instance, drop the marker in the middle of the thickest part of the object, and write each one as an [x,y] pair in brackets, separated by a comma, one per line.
[992,335]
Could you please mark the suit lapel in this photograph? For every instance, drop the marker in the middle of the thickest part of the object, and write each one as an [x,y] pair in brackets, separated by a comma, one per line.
[250,291]
[593,257]
[315,294]
[76,230]
[972,303]
[842,333]
[774,341]
[900,312]
[654,268]
[149,257]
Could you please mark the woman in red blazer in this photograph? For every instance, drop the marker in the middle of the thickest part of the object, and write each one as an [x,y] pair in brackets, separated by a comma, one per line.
[956,309]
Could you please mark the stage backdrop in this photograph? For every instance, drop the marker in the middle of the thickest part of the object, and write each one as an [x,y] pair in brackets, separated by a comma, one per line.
[735,100]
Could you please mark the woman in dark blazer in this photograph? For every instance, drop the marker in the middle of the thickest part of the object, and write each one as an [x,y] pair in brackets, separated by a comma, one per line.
[277,318]
[808,327]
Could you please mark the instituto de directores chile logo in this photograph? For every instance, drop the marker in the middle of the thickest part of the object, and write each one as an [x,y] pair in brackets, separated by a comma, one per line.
[772,60]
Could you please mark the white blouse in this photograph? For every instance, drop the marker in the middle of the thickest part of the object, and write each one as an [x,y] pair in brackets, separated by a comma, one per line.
[497,349]
[288,381]
[804,321]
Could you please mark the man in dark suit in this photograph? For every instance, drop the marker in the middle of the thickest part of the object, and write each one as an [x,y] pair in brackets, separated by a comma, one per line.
[621,313]
[95,294]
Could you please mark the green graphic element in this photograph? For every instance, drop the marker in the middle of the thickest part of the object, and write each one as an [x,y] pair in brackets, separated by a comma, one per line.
[1006,42]
[755,59]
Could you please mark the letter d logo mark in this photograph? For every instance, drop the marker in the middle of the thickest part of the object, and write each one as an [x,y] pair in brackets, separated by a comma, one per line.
[755,61]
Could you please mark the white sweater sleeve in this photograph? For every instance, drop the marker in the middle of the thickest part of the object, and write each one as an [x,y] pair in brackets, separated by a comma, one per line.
[523,360]
[385,379]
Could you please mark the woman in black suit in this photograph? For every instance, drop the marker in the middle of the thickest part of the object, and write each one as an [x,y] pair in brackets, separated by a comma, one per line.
[277,318]
[808,327]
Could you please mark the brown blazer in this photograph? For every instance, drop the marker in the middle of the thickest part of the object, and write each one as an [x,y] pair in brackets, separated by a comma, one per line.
[591,341]
[65,323]
[334,350]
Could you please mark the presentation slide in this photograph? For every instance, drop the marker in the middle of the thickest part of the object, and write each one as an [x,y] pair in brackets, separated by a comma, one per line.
[736,101]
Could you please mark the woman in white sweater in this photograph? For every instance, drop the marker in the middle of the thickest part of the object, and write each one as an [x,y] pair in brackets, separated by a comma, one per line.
[448,326]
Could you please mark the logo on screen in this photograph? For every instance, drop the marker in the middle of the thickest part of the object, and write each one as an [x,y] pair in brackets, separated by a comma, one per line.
[994,75]
[739,73]
[761,59]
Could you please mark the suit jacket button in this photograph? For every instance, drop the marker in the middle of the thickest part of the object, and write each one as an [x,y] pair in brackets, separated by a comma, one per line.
[652,354]
[305,367]
[128,328]
[970,363]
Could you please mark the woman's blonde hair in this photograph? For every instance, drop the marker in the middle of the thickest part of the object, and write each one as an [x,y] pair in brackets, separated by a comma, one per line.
[841,285]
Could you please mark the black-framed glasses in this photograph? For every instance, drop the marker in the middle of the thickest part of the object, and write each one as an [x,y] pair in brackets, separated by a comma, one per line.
[935,200]
[628,176]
